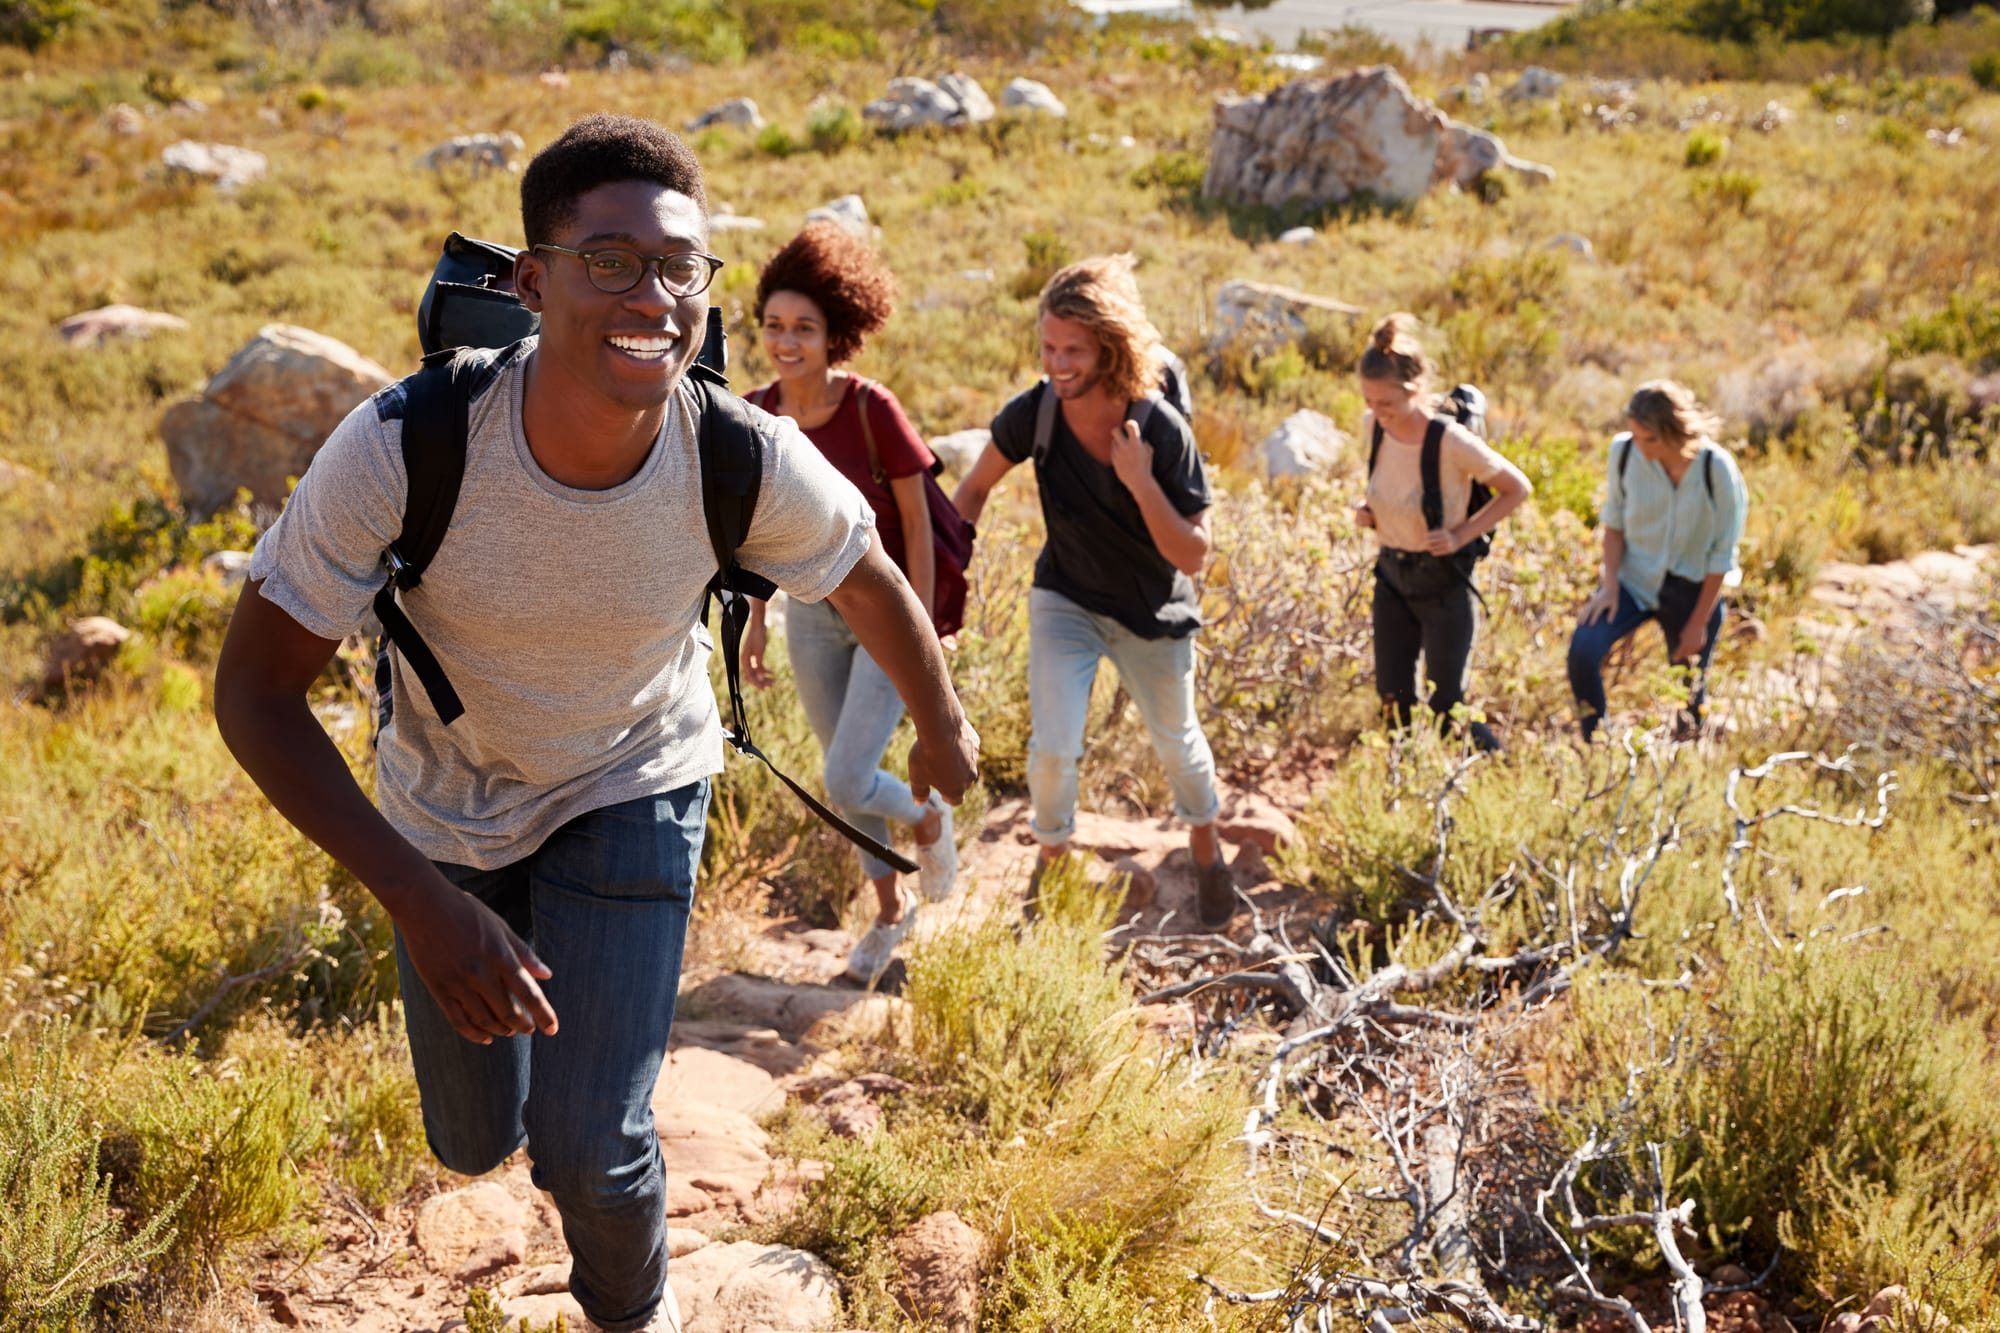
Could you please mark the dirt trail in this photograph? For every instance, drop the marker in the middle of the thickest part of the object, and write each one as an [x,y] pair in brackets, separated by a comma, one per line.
[746,1042]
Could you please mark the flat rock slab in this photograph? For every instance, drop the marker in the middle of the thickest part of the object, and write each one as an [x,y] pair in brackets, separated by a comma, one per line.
[452,1227]
[795,1011]
[764,1047]
[694,1074]
[742,1286]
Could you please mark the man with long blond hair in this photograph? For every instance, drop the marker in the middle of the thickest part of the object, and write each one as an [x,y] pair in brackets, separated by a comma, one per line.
[1125,500]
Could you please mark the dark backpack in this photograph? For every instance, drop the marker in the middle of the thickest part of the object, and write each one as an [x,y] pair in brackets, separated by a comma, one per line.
[1467,406]
[470,297]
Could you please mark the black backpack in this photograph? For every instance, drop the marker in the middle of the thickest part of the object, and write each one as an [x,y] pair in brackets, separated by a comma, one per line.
[1467,406]
[468,314]
[1707,466]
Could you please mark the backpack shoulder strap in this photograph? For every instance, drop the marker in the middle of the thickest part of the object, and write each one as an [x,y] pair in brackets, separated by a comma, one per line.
[1624,459]
[864,400]
[1429,463]
[1708,472]
[1045,423]
[437,403]
[1374,446]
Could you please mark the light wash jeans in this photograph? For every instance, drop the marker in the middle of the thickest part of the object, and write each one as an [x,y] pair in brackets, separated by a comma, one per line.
[604,902]
[853,709]
[1065,644]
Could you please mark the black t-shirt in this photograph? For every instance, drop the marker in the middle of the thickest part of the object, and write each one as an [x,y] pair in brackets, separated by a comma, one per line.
[1098,553]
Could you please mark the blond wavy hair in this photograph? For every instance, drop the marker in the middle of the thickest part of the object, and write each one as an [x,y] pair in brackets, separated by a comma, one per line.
[1102,295]
[1670,410]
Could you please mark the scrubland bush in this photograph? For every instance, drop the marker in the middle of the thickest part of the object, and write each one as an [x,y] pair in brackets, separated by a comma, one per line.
[1705,147]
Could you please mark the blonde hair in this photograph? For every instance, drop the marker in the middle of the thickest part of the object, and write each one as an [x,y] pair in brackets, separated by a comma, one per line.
[1394,354]
[1671,411]
[1102,295]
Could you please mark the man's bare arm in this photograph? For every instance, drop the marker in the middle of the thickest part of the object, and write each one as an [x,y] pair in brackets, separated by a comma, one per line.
[482,975]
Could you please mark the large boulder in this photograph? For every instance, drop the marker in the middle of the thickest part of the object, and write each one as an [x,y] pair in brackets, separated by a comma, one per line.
[1325,141]
[259,422]
[1266,315]
[1306,442]
[910,103]
[959,450]
[475,152]
[1465,154]
[848,212]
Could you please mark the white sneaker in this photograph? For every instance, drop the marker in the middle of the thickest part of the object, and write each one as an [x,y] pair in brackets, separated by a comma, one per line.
[937,862]
[871,954]
[666,1319]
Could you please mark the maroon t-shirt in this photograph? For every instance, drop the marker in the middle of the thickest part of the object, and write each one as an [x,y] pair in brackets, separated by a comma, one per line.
[898,448]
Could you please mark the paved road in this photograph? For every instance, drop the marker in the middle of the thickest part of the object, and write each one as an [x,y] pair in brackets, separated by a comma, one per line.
[1445,22]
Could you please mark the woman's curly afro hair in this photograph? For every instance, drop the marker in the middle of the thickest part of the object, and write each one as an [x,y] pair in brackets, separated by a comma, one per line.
[838,273]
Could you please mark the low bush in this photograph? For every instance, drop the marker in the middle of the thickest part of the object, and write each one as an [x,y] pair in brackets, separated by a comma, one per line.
[1705,147]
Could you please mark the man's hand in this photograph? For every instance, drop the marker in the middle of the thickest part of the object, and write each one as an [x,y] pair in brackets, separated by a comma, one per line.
[1694,636]
[1131,456]
[478,970]
[1363,515]
[950,768]
[1442,541]
[1603,604]
[756,639]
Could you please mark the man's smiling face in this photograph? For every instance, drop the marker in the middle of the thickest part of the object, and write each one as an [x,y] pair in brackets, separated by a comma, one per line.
[630,347]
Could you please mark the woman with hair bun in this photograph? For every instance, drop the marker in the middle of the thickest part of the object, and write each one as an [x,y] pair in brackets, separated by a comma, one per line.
[1673,515]
[817,299]
[1425,603]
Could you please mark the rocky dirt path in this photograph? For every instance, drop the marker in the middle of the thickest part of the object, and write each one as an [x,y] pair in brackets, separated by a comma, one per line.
[744,1044]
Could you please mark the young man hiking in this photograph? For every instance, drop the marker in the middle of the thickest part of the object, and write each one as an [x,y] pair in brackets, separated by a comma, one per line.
[537,854]
[1125,501]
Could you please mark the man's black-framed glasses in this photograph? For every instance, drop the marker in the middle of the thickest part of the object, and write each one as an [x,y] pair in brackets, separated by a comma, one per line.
[615,269]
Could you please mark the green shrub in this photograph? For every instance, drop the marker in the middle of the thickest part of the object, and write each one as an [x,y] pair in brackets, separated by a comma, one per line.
[1893,133]
[1045,252]
[1967,328]
[1724,191]
[221,1155]
[774,140]
[1179,174]
[33,24]
[1985,70]
[705,30]
[60,1238]
[1706,146]
[833,126]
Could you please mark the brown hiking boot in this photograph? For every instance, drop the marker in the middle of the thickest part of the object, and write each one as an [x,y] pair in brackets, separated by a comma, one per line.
[1215,893]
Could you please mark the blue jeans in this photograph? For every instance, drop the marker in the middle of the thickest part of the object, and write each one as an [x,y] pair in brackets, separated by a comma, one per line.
[853,709]
[604,902]
[1591,644]
[1065,644]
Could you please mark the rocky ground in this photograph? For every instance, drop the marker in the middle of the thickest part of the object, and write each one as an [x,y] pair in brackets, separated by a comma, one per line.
[750,1040]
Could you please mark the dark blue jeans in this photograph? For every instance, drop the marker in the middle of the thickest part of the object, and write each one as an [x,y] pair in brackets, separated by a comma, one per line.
[604,902]
[1591,644]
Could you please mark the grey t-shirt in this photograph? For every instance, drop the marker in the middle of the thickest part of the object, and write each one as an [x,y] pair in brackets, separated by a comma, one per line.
[565,619]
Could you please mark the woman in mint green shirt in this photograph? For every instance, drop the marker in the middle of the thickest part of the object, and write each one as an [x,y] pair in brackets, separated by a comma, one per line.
[1672,519]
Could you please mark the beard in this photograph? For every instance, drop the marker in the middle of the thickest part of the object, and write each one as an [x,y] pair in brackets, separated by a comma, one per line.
[1081,387]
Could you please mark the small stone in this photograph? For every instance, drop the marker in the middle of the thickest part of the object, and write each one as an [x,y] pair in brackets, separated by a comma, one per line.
[1031,96]
[1306,442]
[82,652]
[740,112]
[93,328]
[452,1227]
[683,1241]
[939,1261]
[1729,1275]
[1297,236]
[124,118]
[480,152]
[494,1253]
[282,1309]
[232,567]
[225,164]
[1536,84]
[1575,244]
[743,1285]
[847,212]
[1140,885]
[553,79]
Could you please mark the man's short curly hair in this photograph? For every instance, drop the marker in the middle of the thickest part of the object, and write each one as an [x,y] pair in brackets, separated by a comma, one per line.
[602,150]
[838,273]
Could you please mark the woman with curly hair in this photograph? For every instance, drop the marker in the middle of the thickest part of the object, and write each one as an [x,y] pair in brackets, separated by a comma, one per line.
[1673,514]
[817,299]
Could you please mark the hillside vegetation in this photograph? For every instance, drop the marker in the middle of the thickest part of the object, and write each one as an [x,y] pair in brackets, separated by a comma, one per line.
[199,1048]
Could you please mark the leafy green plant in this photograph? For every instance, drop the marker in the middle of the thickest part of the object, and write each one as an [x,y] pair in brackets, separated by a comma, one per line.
[1045,253]
[774,140]
[1985,70]
[832,127]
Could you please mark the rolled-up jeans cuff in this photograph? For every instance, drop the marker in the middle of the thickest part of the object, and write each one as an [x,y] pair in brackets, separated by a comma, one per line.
[1056,839]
